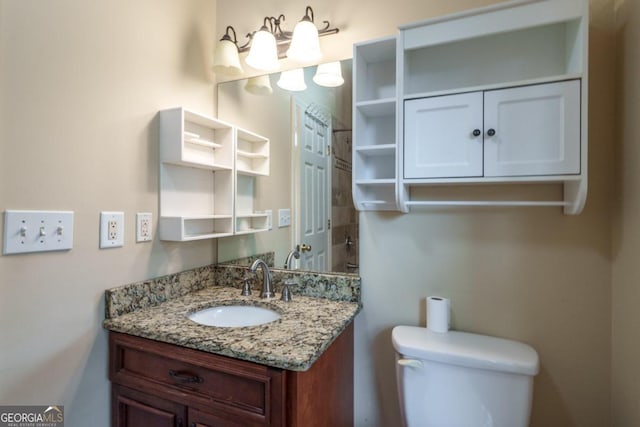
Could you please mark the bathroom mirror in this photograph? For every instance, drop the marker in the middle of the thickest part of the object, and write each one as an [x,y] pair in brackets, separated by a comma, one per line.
[322,215]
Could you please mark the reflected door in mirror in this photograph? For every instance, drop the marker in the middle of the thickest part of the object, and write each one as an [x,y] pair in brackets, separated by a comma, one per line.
[314,196]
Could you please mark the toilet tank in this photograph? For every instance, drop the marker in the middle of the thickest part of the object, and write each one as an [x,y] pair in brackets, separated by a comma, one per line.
[459,379]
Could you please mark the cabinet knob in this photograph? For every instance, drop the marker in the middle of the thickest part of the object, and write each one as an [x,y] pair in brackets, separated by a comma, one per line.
[476,132]
[491,132]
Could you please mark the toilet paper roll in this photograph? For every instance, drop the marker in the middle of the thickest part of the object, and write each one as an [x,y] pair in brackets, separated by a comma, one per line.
[438,314]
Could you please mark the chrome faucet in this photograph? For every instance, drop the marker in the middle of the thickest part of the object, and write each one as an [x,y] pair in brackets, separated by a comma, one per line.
[266,292]
[293,254]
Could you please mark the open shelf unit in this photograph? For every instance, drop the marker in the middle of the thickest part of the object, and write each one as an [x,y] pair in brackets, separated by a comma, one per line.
[198,174]
[375,144]
[193,140]
[252,161]
[252,153]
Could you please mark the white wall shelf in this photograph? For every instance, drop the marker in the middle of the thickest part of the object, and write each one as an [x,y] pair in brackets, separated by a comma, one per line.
[198,176]
[375,153]
[193,140]
[195,228]
[477,88]
[252,162]
[251,223]
[252,153]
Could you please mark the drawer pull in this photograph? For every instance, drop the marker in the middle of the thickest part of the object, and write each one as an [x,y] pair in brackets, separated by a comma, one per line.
[185,378]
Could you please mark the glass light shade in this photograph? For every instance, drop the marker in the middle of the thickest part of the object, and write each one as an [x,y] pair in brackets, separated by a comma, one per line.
[263,54]
[305,44]
[226,59]
[329,75]
[292,80]
[260,85]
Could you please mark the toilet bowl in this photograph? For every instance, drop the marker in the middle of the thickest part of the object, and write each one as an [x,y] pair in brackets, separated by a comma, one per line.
[459,379]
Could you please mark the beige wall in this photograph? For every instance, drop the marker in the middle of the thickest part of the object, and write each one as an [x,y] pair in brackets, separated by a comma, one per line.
[82,80]
[80,87]
[626,233]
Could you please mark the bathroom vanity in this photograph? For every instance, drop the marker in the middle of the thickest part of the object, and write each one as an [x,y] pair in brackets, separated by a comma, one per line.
[158,384]
[167,370]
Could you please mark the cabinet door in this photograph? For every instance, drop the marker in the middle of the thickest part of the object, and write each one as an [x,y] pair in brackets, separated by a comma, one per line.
[132,408]
[443,136]
[533,130]
[204,419]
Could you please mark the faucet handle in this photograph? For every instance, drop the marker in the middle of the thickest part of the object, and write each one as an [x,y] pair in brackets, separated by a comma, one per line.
[286,292]
[246,287]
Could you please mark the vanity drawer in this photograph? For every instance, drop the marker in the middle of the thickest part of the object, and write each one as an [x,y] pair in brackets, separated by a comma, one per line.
[205,380]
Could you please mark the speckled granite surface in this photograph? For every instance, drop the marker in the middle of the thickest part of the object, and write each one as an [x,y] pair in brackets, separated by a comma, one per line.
[268,257]
[335,286]
[323,305]
[148,293]
[295,341]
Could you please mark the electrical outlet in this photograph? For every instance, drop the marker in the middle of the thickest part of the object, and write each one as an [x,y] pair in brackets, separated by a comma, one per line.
[111,229]
[144,227]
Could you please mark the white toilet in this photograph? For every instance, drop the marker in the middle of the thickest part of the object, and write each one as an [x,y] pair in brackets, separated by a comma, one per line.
[459,379]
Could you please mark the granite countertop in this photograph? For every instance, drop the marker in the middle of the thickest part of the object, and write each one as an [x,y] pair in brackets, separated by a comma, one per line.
[308,325]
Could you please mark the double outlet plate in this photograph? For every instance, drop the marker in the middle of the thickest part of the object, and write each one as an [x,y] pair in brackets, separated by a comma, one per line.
[112,228]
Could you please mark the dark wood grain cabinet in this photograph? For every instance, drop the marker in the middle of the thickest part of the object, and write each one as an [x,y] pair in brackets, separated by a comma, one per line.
[159,384]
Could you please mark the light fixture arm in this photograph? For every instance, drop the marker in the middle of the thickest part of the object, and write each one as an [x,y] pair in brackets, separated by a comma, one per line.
[227,35]
[283,37]
[306,16]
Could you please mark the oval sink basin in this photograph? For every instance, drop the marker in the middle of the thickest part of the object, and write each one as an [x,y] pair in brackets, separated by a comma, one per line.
[231,316]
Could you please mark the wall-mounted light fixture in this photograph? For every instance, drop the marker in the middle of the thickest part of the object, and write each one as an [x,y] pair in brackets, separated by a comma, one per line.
[329,75]
[270,43]
[292,80]
[226,59]
[259,85]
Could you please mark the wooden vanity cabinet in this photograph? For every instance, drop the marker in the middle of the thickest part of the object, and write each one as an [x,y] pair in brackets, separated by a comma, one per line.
[159,384]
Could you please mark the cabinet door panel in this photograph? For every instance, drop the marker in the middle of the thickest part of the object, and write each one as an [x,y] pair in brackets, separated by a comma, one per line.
[136,409]
[439,140]
[203,419]
[537,130]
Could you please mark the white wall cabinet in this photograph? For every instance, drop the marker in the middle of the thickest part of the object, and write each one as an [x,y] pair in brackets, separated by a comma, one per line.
[523,64]
[517,68]
[199,175]
[530,130]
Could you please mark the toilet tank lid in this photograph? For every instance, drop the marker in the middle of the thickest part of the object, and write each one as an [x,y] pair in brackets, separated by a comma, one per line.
[465,349]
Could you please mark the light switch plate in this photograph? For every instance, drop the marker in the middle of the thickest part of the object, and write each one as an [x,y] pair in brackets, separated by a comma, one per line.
[111,229]
[37,231]
[284,217]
